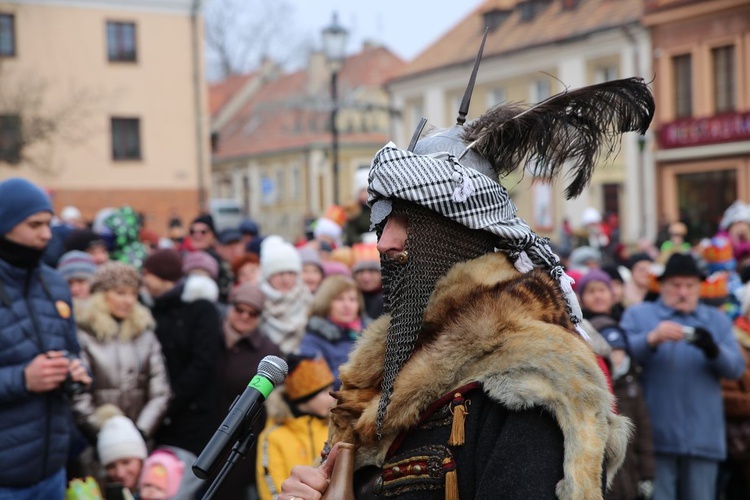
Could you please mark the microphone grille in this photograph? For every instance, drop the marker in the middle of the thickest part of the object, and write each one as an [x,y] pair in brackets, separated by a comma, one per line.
[274,369]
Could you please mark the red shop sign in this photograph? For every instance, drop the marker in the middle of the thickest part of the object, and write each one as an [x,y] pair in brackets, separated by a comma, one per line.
[699,131]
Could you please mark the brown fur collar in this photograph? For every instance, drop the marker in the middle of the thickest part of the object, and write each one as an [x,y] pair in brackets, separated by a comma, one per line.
[486,322]
[93,317]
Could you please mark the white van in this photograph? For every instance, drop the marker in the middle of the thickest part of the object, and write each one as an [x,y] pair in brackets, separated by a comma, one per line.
[227,213]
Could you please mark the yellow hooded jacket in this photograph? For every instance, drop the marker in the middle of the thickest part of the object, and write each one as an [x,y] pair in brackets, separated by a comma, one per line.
[285,442]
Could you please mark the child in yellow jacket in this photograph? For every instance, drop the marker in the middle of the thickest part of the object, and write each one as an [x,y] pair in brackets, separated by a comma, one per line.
[297,426]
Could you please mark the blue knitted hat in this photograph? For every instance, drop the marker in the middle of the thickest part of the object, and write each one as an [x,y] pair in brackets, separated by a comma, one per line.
[20,199]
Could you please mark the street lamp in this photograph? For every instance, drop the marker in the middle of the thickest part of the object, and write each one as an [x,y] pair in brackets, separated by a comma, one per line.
[334,48]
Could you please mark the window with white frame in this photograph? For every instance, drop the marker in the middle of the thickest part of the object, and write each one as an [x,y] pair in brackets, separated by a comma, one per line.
[296,183]
[280,188]
[416,113]
[724,74]
[7,35]
[605,74]
[682,67]
[540,90]
[496,96]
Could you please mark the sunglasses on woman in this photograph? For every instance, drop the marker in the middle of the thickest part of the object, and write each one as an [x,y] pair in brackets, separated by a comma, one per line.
[249,312]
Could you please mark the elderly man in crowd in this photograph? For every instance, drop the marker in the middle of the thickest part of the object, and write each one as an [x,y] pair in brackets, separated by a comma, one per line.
[685,348]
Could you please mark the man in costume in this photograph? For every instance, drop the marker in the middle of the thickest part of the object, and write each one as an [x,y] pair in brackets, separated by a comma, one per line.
[477,383]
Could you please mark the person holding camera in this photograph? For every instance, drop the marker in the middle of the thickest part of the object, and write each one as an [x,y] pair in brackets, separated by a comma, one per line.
[685,348]
[38,349]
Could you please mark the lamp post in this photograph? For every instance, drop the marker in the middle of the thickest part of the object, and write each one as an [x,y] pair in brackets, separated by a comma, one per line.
[334,48]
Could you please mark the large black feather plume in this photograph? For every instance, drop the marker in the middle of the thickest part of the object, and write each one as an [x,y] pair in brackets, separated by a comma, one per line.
[568,128]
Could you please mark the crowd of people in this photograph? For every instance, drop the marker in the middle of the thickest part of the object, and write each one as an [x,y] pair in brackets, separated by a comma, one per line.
[159,334]
[136,361]
[672,320]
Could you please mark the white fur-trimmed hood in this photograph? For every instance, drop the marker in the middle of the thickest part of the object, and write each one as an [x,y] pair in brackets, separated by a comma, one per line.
[93,317]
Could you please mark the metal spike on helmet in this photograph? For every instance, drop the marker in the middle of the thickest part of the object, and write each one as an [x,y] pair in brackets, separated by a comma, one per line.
[463,110]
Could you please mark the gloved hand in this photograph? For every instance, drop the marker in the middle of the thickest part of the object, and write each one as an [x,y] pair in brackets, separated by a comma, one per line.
[645,489]
[705,342]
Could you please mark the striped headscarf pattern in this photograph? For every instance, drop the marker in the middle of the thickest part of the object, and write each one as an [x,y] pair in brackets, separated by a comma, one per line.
[440,183]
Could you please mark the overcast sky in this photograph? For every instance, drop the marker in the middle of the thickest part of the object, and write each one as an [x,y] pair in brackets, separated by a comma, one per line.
[405,26]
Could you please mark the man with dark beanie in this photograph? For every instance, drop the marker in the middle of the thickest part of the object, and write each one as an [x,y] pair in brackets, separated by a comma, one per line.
[37,331]
[203,237]
[86,240]
[190,336]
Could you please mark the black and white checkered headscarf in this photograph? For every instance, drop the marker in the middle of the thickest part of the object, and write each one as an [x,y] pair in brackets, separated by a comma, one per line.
[441,183]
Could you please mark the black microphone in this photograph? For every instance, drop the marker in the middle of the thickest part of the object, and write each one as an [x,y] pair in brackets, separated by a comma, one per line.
[271,372]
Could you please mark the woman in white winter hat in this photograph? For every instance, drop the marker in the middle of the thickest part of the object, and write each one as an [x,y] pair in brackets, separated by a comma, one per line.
[287,298]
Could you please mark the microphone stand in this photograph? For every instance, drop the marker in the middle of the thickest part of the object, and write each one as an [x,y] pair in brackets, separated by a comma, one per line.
[239,451]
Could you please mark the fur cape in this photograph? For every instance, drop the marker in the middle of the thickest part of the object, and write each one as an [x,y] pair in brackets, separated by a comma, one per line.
[93,316]
[488,323]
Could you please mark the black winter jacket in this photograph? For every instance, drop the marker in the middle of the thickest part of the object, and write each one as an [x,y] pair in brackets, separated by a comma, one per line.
[190,336]
[507,454]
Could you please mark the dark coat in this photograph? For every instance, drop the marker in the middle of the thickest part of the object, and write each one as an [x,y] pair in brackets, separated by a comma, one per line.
[507,454]
[333,343]
[225,280]
[639,458]
[357,225]
[237,366]
[190,335]
[35,317]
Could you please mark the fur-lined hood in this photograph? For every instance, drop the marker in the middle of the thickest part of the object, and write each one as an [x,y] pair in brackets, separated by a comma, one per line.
[92,316]
[487,323]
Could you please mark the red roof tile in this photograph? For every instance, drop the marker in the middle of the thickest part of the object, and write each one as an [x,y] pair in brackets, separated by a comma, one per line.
[219,93]
[553,24]
[283,116]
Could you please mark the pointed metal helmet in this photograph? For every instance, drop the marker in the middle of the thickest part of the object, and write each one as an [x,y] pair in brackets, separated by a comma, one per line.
[449,140]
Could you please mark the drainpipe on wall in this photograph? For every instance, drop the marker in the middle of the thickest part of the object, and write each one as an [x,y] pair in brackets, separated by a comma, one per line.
[197,85]
[643,219]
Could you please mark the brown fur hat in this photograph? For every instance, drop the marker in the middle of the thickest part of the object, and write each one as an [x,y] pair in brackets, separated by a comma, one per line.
[115,274]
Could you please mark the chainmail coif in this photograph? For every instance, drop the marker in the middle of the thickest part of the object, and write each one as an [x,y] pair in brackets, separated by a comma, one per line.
[434,245]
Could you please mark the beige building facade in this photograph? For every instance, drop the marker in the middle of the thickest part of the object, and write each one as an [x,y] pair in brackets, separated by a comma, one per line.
[534,49]
[272,137]
[119,85]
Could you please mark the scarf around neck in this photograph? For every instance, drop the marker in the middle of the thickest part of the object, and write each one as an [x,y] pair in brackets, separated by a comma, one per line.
[18,255]
[285,315]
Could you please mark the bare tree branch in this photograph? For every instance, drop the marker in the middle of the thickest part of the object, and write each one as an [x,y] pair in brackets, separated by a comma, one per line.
[241,33]
[48,121]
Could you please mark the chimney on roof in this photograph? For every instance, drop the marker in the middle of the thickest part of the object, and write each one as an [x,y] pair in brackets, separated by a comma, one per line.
[318,74]
[570,4]
[369,45]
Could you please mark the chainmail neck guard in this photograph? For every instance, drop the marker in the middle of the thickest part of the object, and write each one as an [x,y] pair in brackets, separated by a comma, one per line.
[434,245]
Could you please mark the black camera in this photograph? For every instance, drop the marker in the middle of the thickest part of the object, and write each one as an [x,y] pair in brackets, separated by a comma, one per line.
[69,386]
